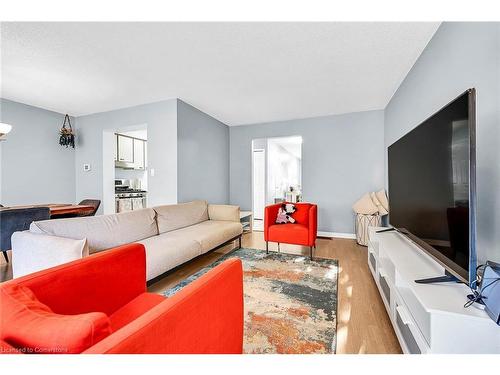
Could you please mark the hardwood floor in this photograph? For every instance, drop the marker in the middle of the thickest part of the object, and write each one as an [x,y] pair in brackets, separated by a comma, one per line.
[362,322]
[363,325]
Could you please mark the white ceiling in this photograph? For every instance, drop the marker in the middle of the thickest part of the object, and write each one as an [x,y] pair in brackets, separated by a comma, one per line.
[240,73]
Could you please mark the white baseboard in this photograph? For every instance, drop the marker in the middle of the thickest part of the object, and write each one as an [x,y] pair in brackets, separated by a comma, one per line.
[337,235]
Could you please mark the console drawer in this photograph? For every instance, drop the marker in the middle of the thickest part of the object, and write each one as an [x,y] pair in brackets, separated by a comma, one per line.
[373,261]
[408,332]
[384,286]
[418,313]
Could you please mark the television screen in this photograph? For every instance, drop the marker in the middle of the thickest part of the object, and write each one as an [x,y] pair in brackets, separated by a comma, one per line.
[430,183]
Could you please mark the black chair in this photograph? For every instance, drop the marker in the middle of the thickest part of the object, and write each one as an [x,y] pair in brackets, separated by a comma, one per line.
[91,202]
[16,220]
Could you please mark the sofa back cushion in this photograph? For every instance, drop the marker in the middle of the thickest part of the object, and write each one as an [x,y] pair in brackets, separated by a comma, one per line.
[32,327]
[301,215]
[104,231]
[176,216]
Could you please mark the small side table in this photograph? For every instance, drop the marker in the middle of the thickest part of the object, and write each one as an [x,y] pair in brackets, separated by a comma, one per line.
[246,219]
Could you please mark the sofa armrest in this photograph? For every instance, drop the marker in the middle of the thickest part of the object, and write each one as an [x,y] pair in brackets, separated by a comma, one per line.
[205,317]
[224,212]
[270,214]
[101,282]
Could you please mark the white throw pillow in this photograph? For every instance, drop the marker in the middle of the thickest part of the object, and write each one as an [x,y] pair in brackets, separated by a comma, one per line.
[33,252]
[365,206]
[381,210]
[382,198]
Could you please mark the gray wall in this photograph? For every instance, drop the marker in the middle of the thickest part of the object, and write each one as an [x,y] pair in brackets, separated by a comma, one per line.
[460,56]
[342,158]
[34,168]
[202,156]
[161,121]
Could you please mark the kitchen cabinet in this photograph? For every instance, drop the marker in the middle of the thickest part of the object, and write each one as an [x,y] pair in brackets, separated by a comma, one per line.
[130,152]
[139,154]
[125,149]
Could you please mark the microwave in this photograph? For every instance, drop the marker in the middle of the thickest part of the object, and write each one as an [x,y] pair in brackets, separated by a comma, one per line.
[122,183]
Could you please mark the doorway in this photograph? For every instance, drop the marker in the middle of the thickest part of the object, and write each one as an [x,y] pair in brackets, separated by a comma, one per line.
[124,166]
[276,174]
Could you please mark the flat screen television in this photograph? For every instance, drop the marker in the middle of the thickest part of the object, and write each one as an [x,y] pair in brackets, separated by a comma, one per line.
[432,187]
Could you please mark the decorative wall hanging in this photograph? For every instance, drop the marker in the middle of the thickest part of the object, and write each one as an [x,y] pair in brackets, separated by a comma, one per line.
[66,135]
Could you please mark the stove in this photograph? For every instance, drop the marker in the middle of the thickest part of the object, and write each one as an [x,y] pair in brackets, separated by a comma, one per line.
[127,198]
[122,191]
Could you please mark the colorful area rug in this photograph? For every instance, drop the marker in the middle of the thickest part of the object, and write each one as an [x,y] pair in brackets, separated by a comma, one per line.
[290,302]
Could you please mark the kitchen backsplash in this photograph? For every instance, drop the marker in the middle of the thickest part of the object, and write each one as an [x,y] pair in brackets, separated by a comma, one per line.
[132,174]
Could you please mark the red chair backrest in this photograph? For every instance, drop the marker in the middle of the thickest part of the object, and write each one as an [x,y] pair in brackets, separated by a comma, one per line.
[301,216]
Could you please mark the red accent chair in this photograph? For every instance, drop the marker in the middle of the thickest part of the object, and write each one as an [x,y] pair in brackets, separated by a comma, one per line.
[204,317]
[303,232]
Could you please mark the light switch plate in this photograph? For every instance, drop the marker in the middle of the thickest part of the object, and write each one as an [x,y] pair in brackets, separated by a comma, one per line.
[152,172]
[86,168]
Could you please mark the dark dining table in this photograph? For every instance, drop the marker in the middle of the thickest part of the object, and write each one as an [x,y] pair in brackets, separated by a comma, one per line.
[58,209]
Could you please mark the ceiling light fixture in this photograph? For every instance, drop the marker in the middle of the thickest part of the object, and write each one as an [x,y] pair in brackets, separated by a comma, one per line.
[4,130]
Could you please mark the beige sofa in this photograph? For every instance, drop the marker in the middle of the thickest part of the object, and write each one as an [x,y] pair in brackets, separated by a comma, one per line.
[172,235]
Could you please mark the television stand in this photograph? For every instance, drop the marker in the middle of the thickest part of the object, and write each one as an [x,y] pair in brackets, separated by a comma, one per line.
[447,278]
[427,318]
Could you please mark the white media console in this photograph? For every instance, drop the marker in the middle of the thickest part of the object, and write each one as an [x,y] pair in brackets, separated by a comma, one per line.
[427,318]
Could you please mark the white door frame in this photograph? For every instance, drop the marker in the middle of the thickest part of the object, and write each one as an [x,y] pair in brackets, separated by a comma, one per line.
[263,151]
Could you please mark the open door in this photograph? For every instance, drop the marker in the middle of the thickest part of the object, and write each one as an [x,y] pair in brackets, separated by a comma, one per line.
[259,183]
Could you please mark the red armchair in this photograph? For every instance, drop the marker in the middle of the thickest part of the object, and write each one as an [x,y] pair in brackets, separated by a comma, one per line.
[204,317]
[302,232]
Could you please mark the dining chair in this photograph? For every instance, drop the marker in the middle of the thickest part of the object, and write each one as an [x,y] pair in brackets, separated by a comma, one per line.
[19,219]
[91,202]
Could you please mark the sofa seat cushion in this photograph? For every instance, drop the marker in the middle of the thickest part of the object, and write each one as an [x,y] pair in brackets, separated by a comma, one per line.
[134,309]
[33,327]
[176,216]
[104,231]
[167,251]
[289,233]
[211,233]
